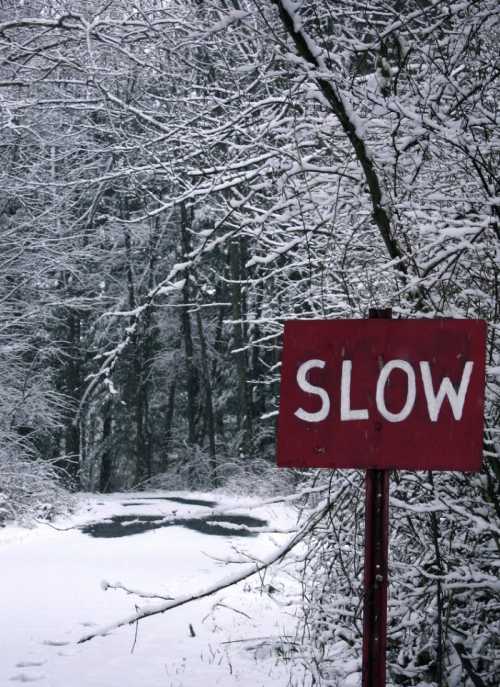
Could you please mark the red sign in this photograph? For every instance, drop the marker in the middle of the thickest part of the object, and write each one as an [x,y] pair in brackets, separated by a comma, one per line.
[383,394]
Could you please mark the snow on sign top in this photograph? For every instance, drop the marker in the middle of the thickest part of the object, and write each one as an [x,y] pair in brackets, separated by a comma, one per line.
[386,394]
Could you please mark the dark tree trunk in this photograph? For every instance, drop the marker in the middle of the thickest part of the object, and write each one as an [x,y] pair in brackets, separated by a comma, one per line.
[72,383]
[169,419]
[209,407]
[219,346]
[244,400]
[106,460]
[137,385]
[191,373]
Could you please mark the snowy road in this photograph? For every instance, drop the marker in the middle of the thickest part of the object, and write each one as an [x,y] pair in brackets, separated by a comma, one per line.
[52,593]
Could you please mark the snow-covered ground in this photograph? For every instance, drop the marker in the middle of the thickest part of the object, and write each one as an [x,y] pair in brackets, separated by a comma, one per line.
[52,594]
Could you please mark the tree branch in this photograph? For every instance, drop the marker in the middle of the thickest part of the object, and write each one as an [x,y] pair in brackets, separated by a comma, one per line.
[310,52]
[228,581]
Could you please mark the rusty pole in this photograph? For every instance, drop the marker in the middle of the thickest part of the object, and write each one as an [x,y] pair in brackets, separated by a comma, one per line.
[376,567]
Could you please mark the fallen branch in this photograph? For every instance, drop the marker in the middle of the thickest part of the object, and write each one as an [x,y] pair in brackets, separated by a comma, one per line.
[135,592]
[226,582]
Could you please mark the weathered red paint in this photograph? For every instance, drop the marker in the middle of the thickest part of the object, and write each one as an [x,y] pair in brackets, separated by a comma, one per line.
[375,577]
[370,440]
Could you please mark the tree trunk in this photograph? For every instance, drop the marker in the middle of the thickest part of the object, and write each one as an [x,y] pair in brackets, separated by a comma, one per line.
[219,350]
[106,460]
[209,407]
[73,384]
[191,374]
[169,419]
[244,401]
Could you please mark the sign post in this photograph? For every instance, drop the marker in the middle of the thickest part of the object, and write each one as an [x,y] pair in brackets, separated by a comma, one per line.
[381,395]
[376,577]
[376,570]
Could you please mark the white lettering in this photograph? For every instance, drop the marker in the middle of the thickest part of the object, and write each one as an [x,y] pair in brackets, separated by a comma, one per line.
[322,413]
[346,412]
[446,388]
[410,394]
[435,399]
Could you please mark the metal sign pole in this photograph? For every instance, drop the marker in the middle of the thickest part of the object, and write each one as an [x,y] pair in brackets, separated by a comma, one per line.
[376,580]
[375,577]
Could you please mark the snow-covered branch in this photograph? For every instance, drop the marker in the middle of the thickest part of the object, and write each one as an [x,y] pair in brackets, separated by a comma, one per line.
[228,581]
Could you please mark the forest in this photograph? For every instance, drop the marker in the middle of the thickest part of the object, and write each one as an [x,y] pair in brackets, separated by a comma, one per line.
[180,177]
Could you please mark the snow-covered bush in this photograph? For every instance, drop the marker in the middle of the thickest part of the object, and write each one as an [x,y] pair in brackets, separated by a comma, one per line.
[443,583]
[259,478]
[30,489]
[191,468]
[330,626]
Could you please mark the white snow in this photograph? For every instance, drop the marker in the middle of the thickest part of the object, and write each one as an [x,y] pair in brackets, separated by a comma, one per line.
[53,592]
